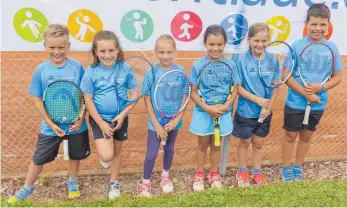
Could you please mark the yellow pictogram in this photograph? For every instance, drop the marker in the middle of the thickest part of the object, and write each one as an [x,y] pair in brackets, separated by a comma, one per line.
[279,28]
[84,24]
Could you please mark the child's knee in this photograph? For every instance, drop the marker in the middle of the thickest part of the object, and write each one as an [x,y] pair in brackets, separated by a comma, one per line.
[244,143]
[106,156]
[203,146]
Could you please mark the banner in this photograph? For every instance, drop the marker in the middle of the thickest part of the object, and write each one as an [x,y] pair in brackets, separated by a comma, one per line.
[138,23]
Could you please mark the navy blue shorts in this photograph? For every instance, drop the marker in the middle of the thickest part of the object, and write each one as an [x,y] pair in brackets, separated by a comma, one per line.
[120,135]
[244,127]
[293,119]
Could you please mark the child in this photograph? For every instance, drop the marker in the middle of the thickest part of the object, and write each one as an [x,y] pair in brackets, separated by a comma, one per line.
[317,22]
[251,100]
[165,49]
[98,85]
[202,121]
[58,67]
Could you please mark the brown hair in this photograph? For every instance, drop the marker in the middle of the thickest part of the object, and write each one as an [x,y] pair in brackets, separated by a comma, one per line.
[105,35]
[215,30]
[318,10]
[256,28]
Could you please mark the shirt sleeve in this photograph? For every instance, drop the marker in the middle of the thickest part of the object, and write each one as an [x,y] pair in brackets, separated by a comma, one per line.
[236,76]
[36,83]
[193,75]
[87,82]
[148,82]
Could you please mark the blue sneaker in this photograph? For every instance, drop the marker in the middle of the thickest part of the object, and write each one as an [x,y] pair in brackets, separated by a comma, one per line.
[287,174]
[21,195]
[74,191]
[297,173]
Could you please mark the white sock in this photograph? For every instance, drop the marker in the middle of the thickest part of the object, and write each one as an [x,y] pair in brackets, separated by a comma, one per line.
[165,173]
[146,181]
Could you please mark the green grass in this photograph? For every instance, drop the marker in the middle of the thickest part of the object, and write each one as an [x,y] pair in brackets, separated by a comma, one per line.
[308,193]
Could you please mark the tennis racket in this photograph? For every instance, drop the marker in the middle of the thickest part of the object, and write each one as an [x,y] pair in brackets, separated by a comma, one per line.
[64,104]
[171,95]
[215,85]
[138,73]
[316,64]
[275,69]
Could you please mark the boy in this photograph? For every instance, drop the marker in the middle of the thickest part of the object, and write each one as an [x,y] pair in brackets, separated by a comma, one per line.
[317,22]
[56,43]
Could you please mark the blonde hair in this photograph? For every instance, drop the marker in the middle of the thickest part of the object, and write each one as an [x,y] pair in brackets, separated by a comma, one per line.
[56,30]
[256,28]
[165,38]
[106,35]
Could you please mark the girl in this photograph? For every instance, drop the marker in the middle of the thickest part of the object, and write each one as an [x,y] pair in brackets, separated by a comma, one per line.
[202,121]
[165,50]
[101,101]
[251,101]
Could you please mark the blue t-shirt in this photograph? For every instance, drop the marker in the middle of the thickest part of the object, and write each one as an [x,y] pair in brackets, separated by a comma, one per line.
[247,66]
[159,72]
[296,100]
[47,73]
[99,82]
[219,84]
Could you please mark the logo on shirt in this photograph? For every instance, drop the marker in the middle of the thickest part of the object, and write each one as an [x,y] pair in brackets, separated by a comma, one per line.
[51,78]
[252,71]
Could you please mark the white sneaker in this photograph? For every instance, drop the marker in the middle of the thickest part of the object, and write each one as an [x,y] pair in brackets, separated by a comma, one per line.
[215,181]
[114,191]
[166,184]
[199,183]
[105,165]
[145,190]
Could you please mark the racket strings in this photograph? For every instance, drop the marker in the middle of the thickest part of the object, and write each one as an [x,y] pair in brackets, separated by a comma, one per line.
[215,82]
[138,82]
[63,102]
[275,69]
[316,63]
[172,93]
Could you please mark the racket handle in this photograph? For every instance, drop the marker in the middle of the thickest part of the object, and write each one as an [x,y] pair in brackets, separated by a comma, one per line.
[307,114]
[261,120]
[66,149]
[163,142]
[216,137]
[113,124]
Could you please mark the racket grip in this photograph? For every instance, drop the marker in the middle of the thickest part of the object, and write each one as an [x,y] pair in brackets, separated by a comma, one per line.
[163,142]
[261,120]
[66,149]
[307,114]
[216,137]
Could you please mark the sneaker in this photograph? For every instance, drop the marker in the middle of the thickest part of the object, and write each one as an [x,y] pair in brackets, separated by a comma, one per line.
[74,191]
[287,174]
[215,181]
[145,189]
[22,194]
[242,179]
[114,190]
[259,179]
[297,173]
[105,165]
[166,184]
[199,182]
